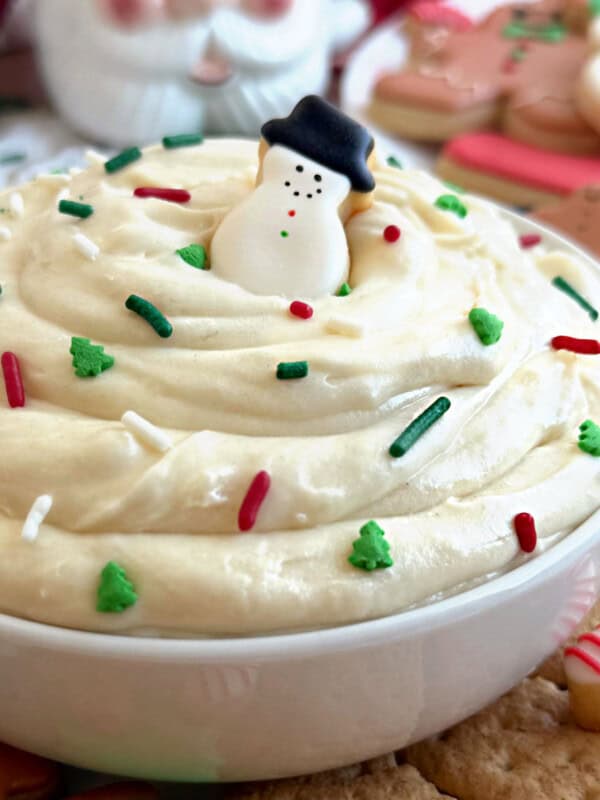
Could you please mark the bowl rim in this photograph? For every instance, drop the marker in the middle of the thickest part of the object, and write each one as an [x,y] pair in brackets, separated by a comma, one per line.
[309,643]
[305,644]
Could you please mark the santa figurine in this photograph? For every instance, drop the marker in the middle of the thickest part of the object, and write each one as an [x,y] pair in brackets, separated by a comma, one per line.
[287,237]
[130,71]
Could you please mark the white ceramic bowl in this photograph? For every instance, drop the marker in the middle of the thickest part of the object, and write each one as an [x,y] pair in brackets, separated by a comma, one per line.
[275,706]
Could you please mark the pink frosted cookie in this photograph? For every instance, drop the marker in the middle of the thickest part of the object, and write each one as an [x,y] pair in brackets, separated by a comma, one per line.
[514,172]
[582,665]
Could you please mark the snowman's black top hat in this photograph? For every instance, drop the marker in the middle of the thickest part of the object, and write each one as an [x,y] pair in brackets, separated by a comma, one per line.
[321,132]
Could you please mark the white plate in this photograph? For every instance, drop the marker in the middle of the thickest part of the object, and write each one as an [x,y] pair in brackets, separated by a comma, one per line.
[383,50]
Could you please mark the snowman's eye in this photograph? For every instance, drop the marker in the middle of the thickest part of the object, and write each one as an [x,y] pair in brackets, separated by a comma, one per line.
[299,168]
[318,191]
[287,183]
[296,194]
[309,195]
[318,178]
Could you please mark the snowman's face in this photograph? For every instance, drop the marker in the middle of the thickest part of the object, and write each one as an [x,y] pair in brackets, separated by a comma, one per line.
[304,181]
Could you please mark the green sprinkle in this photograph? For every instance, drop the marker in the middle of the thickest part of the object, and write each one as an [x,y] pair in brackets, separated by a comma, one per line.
[89,359]
[81,210]
[371,551]
[455,187]
[450,202]
[182,140]
[59,171]
[486,326]
[284,234]
[344,290]
[518,54]
[123,159]
[565,287]
[589,438]
[289,370]
[392,161]
[13,103]
[115,592]
[12,158]
[594,8]
[151,314]
[194,255]
[419,426]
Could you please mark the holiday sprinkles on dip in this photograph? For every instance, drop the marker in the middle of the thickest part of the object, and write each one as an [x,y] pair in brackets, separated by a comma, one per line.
[213,428]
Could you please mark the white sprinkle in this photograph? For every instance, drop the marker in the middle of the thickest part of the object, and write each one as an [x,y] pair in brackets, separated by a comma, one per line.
[36,516]
[53,178]
[16,204]
[345,327]
[5,234]
[86,246]
[146,431]
[94,158]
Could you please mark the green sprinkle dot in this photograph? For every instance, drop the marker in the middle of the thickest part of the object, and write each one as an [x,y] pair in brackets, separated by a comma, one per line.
[344,290]
[89,359]
[392,161]
[2,211]
[589,438]
[151,314]
[290,370]
[59,171]
[284,234]
[123,159]
[594,8]
[182,140]
[419,426]
[115,592]
[81,210]
[194,255]
[518,54]
[371,551]
[570,291]
[450,202]
[486,326]
[12,158]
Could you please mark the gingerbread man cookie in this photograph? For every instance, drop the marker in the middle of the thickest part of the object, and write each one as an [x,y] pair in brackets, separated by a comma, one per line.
[578,217]
[26,777]
[516,71]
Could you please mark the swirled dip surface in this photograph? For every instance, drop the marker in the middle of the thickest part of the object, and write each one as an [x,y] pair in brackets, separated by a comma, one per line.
[508,444]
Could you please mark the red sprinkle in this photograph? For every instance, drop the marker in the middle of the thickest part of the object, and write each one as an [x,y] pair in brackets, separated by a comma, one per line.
[253,501]
[302,310]
[528,240]
[392,233]
[174,195]
[588,347]
[526,532]
[291,213]
[13,381]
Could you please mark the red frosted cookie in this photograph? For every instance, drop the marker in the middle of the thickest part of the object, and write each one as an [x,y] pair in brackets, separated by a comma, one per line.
[513,172]
[127,790]
[26,777]
[515,71]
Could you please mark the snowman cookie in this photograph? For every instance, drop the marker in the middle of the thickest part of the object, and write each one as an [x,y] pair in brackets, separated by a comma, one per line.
[287,237]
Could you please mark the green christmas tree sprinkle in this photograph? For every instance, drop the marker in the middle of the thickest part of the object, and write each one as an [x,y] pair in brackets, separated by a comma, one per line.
[392,161]
[194,255]
[371,551]
[89,359]
[115,592]
[589,438]
[344,290]
[450,202]
[486,326]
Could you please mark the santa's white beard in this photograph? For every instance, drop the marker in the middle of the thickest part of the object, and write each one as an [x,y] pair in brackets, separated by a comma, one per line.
[120,87]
